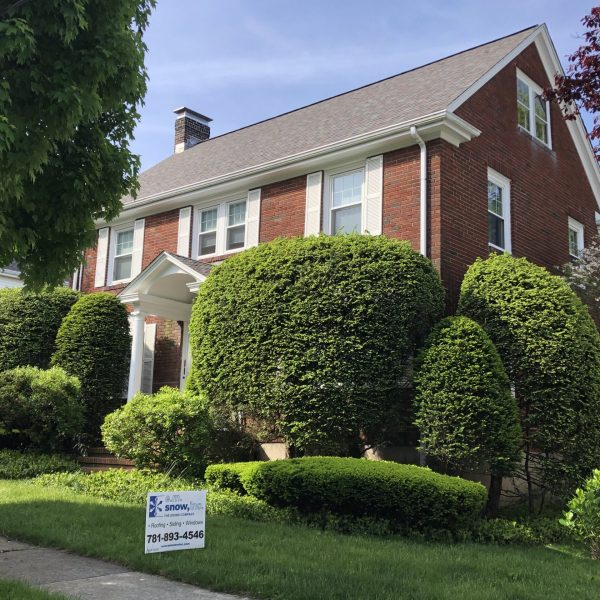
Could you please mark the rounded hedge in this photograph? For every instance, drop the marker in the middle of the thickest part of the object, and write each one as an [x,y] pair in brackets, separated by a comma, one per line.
[93,343]
[167,430]
[413,497]
[313,334]
[29,323]
[465,411]
[550,348]
[39,409]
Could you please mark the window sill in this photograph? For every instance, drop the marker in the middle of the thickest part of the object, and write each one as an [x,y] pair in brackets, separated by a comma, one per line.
[534,139]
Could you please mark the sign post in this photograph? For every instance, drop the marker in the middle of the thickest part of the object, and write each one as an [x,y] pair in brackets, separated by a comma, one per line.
[175,521]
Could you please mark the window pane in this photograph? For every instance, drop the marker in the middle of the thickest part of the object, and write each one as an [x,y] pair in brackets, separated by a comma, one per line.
[347,220]
[124,242]
[122,267]
[347,189]
[237,213]
[208,243]
[522,92]
[523,116]
[235,237]
[540,108]
[496,230]
[208,220]
[573,242]
[541,130]
[495,199]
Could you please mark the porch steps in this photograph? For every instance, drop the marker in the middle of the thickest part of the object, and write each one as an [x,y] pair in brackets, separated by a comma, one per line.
[100,459]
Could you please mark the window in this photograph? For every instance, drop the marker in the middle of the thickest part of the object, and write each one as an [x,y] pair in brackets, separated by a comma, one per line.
[236,225]
[498,212]
[575,238]
[123,255]
[346,202]
[208,232]
[533,112]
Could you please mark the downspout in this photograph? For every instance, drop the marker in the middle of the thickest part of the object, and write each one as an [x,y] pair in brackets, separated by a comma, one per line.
[423,190]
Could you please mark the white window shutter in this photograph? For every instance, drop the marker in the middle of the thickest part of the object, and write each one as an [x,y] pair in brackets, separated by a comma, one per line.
[148,359]
[183,233]
[374,195]
[312,218]
[101,257]
[138,247]
[253,218]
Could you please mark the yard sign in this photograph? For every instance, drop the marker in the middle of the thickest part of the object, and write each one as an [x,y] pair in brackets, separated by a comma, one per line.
[175,521]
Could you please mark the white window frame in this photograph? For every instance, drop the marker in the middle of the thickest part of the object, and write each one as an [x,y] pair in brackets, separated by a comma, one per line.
[200,232]
[114,234]
[534,90]
[504,184]
[578,228]
[328,207]
[222,206]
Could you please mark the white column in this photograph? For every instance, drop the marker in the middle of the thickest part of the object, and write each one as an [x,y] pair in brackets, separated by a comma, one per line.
[137,354]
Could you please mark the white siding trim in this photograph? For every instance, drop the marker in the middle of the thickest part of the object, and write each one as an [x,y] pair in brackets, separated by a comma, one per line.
[314,200]
[101,257]
[252,218]
[374,195]
[138,247]
[183,231]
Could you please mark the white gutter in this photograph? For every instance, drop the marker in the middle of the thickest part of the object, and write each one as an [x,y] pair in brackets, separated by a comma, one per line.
[423,190]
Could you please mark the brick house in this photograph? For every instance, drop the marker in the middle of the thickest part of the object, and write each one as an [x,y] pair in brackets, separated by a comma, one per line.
[459,157]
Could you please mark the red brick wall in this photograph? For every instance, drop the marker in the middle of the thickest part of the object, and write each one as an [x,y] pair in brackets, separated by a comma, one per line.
[282,207]
[167,353]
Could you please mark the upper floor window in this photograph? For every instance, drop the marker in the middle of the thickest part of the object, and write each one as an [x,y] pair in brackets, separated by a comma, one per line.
[498,212]
[346,201]
[123,254]
[575,238]
[236,225]
[533,112]
[208,231]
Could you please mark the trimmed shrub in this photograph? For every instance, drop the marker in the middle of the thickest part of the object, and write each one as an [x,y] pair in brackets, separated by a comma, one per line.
[314,335]
[167,430]
[28,325]
[583,516]
[24,465]
[93,344]
[39,409]
[413,497]
[465,411]
[232,476]
[550,348]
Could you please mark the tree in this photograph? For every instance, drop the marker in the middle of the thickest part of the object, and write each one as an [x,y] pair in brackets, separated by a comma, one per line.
[465,411]
[580,87]
[72,77]
[313,335]
[550,348]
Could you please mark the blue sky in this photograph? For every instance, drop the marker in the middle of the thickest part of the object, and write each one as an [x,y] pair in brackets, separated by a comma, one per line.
[241,61]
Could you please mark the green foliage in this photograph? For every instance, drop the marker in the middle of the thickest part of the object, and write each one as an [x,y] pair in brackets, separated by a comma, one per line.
[23,465]
[583,516]
[550,348]
[39,409]
[93,343]
[466,413]
[231,476]
[29,323]
[314,334]
[167,430]
[72,78]
[412,497]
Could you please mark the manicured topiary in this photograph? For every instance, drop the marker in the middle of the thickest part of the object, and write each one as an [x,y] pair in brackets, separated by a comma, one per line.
[28,325]
[93,343]
[551,350]
[465,411]
[39,409]
[169,430]
[313,334]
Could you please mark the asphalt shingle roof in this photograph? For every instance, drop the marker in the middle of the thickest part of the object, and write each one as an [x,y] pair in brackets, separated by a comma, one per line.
[392,101]
[198,266]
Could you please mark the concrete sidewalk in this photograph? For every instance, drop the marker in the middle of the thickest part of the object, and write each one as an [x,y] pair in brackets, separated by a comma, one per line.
[89,578]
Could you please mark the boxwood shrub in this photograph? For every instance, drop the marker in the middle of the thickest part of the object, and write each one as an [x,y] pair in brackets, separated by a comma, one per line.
[231,476]
[28,325]
[24,465]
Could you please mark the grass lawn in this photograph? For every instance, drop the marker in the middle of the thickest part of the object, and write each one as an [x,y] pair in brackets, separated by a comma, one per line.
[294,563]
[14,590]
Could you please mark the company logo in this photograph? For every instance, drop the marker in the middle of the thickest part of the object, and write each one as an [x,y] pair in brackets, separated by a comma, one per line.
[155,506]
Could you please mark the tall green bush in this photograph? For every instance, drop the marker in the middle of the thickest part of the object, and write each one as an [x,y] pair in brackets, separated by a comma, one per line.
[93,343]
[465,411]
[551,350]
[28,325]
[39,409]
[314,334]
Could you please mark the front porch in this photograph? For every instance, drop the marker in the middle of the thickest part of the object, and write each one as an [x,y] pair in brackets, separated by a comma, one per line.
[160,301]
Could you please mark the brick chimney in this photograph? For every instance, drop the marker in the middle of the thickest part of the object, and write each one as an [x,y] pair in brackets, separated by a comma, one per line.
[191,128]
